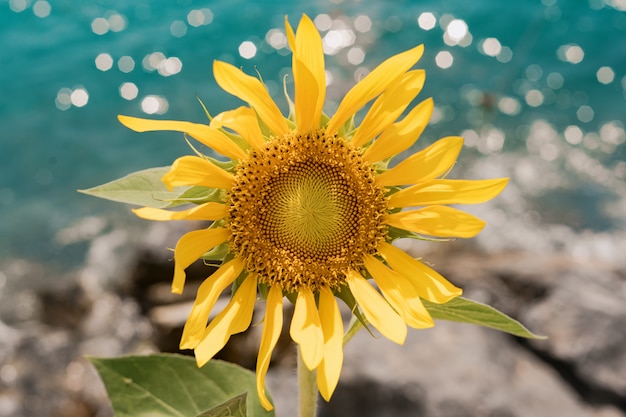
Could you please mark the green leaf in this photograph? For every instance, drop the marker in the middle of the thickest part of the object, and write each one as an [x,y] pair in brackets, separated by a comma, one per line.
[464,310]
[235,407]
[173,385]
[143,188]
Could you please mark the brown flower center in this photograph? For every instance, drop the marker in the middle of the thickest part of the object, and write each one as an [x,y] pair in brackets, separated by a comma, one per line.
[304,210]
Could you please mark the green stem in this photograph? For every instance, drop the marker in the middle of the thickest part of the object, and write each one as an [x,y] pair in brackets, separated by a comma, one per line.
[307,384]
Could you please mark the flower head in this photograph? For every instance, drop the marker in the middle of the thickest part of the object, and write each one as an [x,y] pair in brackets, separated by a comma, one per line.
[307,209]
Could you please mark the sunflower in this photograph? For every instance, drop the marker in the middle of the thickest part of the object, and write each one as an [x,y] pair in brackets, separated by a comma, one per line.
[307,207]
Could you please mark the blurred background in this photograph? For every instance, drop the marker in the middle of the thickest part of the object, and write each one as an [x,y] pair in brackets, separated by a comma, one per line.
[537,88]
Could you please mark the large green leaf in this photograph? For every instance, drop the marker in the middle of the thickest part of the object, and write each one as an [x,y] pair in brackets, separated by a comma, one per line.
[173,385]
[467,311]
[235,407]
[143,188]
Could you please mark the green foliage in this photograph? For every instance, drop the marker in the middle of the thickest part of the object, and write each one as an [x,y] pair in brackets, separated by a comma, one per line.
[173,385]
[235,407]
[145,188]
[467,311]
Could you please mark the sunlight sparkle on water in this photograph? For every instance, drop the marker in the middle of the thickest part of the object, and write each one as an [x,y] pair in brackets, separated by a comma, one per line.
[200,17]
[104,62]
[129,91]
[490,46]
[427,21]
[126,64]
[605,75]
[571,53]
[276,38]
[247,50]
[444,59]
[363,23]
[585,114]
[178,28]
[154,104]
[79,97]
[42,8]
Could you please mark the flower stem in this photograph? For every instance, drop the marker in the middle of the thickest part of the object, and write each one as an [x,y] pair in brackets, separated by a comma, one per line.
[307,385]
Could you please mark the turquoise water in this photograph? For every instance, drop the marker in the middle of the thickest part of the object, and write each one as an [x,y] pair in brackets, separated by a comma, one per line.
[537,88]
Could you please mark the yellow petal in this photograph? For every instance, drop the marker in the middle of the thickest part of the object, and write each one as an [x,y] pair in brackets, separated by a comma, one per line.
[440,221]
[400,293]
[190,247]
[448,192]
[372,85]
[389,106]
[376,309]
[332,325]
[271,332]
[309,75]
[207,295]
[242,120]
[425,165]
[429,284]
[206,211]
[206,135]
[402,135]
[193,170]
[306,329]
[235,318]
[253,92]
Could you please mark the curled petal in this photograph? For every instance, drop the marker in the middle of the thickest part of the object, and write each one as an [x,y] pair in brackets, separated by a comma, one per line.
[252,91]
[448,192]
[429,283]
[309,74]
[372,85]
[235,318]
[193,170]
[376,309]
[190,247]
[207,295]
[242,120]
[401,135]
[389,106]
[441,221]
[402,296]
[206,135]
[425,165]
[206,211]
[332,325]
[271,332]
[306,329]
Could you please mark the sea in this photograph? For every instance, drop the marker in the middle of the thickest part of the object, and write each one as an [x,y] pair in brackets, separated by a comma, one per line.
[536,87]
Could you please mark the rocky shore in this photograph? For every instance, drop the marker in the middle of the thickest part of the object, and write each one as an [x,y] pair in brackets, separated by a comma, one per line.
[119,302]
